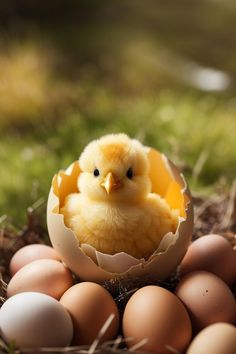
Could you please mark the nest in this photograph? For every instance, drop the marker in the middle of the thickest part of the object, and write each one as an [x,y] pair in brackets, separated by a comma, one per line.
[216,214]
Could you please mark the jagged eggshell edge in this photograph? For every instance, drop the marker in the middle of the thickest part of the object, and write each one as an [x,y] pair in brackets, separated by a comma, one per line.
[96,266]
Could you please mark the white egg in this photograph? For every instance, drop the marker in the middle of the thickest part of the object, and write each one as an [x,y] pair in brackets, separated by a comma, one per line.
[33,319]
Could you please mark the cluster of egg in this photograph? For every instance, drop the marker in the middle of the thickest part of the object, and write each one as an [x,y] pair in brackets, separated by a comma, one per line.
[44,308]
[200,316]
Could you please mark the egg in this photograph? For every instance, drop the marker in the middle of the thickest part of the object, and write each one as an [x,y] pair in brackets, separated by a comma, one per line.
[90,306]
[90,264]
[207,298]
[218,338]
[156,314]
[35,320]
[214,254]
[45,276]
[29,254]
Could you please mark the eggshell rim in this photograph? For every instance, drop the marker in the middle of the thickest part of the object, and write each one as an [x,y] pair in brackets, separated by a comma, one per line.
[97,266]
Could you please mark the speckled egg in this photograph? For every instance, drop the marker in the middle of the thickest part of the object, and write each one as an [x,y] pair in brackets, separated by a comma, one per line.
[207,298]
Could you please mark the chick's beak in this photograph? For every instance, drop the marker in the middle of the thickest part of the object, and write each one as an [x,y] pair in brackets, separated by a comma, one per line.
[110,183]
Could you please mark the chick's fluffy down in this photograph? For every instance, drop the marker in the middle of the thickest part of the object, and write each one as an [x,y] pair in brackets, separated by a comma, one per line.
[134,230]
[130,219]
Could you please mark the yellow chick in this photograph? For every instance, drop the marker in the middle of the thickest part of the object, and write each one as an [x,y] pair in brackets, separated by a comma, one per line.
[115,210]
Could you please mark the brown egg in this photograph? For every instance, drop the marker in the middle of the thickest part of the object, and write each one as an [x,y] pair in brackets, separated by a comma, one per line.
[214,254]
[45,276]
[218,338]
[158,315]
[207,298]
[90,306]
[29,254]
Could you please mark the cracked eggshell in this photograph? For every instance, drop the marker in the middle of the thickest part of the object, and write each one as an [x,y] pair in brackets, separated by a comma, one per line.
[91,265]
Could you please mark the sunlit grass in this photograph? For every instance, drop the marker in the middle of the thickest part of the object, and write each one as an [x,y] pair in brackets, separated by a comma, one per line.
[51,107]
[184,126]
[29,86]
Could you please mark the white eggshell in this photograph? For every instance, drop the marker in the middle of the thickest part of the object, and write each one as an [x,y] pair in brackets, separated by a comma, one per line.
[92,265]
[35,320]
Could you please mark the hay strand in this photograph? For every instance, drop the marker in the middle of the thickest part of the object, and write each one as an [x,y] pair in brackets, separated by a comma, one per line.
[216,214]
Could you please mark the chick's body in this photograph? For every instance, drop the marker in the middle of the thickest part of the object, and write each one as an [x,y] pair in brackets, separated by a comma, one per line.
[115,210]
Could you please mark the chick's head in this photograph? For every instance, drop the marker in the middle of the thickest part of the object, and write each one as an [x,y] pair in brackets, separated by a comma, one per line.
[114,168]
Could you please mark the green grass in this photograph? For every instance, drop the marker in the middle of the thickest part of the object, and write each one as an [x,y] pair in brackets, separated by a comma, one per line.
[65,83]
[187,127]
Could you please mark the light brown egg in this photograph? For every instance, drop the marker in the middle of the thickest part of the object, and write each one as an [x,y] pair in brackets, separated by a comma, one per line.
[90,306]
[159,316]
[214,254]
[45,276]
[218,338]
[207,298]
[29,254]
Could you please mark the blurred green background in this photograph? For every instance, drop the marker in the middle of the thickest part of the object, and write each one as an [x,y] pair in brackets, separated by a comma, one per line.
[162,71]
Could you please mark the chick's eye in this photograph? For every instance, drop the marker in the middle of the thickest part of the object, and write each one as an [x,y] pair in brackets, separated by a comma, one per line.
[129,173]
[96,172]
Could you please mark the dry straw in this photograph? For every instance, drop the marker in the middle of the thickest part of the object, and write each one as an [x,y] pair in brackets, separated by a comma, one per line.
[216,214]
